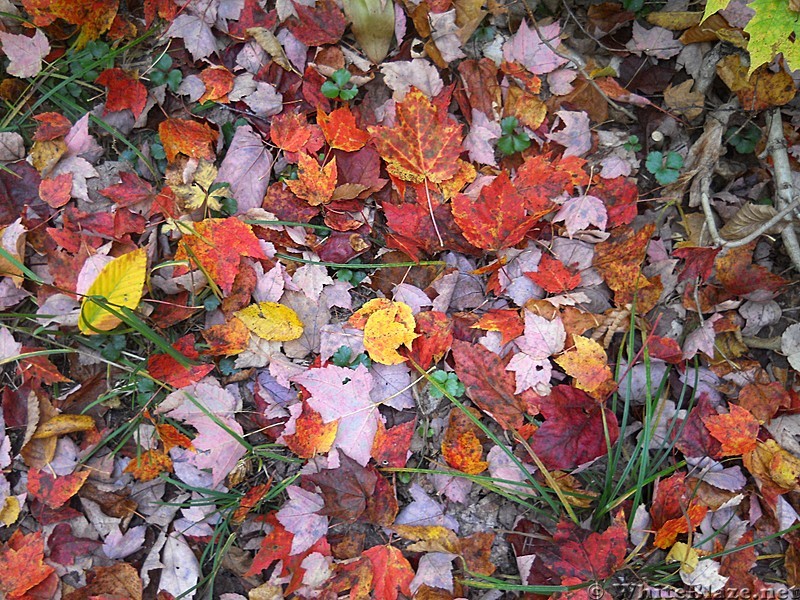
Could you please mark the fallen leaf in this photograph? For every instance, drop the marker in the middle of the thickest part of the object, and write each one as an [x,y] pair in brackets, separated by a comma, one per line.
[124,91]
[120,285]
[24,53]
[182,136]
[587,363]
[424,143]
[387,325]
[22,565]
[272,321]
[341,131]
[54,491]
[736,431]
[496,219]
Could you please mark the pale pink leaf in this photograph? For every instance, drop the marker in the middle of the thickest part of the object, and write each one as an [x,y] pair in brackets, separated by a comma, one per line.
[578,213]
[479,140]
[542,338]
[24,53]
[401,75]
[576,135]
[343,394]
[531,373]
[435,570]
[424,510]
[701,339]
[9,347]
[246,168]
[300,516]
[195,33]
[527,48]
[657,42]
[444,33]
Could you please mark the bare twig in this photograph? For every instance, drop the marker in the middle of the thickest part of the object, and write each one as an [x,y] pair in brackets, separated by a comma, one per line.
[782,174]
[762,229]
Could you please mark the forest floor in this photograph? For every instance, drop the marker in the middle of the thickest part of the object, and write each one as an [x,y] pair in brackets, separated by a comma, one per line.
[372,299]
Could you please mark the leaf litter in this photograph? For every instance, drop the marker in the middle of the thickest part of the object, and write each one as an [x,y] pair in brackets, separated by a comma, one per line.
[283,322]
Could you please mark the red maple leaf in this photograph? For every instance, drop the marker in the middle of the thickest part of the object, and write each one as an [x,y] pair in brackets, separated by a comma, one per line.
[391,572]
[132,190]
[341,131]
[490,386]
[554,277]
[54,491]
[165,368]
[496,219]
[123,91]
[574,430]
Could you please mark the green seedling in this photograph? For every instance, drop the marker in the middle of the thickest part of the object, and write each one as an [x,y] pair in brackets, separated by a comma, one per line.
[338,86]
[633,144]
[343,358]
[513,139]
[665,168]
[449,381]
[744,139]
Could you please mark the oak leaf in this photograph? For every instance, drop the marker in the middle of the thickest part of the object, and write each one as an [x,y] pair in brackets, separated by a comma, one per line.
[424,143]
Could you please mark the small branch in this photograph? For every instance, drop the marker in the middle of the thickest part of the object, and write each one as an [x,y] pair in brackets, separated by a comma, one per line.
[782,173]
[762,229]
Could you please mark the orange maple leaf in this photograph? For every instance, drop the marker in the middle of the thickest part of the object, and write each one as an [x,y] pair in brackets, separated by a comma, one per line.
[181,136]
[22,565]
[737,431]
[123,91]
[314,184]
[149,465]
[341,131]
[424,143]
[218,81]
[217,247]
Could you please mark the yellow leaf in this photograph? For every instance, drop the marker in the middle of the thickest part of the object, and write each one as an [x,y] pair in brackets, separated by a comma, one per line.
[587,363]
[386,329]
[64,424]
[196,193]
[9,511]
[272,321]
[120,284]
[684,554]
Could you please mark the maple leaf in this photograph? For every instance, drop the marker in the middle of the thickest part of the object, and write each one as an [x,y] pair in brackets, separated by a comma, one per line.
[346,489]
[392,573]
[675,510]
[123,91]
[763,399]
[341,131]
[196,34]
[300,515]
[24,53]
[55,491]
[291,132]
[736,431]
[149,464]
[738,274]
[505,320]
[574,430]
[306,434]
[246,168]
[489,385]
[424,143]
[132,190]
[554,277]
[182,136]
[587,555]
[434,337]
[164,367]
[217,246]
[386,325]
[321,23]
[218,81]
[699,262]
[587,363]
[315,183]
[461,447]
[22,565]
[619,259]
[343,395]
[580,212]
[391,448]
[496,219]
